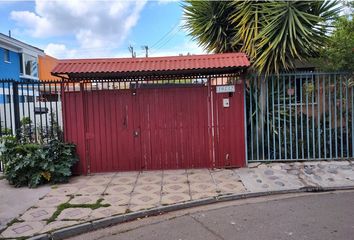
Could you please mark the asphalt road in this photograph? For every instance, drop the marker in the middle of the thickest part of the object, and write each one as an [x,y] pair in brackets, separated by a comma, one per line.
[327,216]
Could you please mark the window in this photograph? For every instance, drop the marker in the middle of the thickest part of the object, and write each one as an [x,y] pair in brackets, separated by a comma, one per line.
[21,99]
[30,98]
[29,65]
[21,64]
[5,98]
[6,55]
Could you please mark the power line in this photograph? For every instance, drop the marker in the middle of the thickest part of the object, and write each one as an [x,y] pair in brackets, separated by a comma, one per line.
[166,34]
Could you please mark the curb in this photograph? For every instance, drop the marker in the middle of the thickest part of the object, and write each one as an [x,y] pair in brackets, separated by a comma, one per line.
[110,221]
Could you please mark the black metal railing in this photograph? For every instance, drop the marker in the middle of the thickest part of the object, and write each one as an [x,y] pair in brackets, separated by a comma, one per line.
[31,109]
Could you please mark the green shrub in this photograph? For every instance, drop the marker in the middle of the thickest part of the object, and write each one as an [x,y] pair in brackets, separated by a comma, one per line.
[31,164]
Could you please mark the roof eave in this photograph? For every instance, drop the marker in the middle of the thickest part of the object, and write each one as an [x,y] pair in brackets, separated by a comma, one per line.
[151,74]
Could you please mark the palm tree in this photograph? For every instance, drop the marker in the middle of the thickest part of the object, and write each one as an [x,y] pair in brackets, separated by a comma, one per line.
[272,33]
[210,24]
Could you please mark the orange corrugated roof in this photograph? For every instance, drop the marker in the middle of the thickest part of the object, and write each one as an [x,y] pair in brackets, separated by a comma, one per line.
[154,65]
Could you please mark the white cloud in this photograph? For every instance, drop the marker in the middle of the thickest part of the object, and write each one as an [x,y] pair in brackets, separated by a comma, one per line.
[95,24]
[60,51]
[166,1]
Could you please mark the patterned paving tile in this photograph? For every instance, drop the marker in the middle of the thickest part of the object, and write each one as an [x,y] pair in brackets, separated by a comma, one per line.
[135,208]
[74,214]
[79,181]
[92,190]
[200,177]
[52,201]
[268,179]
[104,175]
[63,190]
[107,212]
[130,174]
[148,188]
[171,198]
[37,214]
[116,200]
[149,179]
[230,187]
[201,195]
[123,180]
[94,181]
[145,199]
[203,187]
[85,199]
[175,188]
[23,229]
[174,172]
[151,173]
[198,170]
[221,175]
[119,189]
[175,178]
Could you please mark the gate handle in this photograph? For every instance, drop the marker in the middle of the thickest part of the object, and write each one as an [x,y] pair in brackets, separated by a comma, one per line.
[136,133]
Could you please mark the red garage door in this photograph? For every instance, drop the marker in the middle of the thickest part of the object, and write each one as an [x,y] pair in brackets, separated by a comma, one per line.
[189,126]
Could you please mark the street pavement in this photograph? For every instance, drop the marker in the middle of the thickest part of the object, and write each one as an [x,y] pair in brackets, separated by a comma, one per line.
[99,196]
[328,216]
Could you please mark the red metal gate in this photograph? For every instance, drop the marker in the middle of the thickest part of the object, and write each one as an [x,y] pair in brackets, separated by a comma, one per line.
[155,128]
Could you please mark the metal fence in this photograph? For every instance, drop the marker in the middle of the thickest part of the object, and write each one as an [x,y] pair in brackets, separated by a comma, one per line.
[289,117]
[31,110]
[299,116]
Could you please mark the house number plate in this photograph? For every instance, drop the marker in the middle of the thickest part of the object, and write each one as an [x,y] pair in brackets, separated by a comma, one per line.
[225,89]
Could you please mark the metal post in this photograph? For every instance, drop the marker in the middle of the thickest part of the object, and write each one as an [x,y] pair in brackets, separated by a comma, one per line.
[245,118]
[16,107]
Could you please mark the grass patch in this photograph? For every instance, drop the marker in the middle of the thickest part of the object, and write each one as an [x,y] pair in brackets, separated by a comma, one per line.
[67,205]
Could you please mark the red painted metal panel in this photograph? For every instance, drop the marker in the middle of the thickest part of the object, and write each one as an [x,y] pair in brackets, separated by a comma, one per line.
[155,128]
[73,131]
[172,133]
[112,145]
[229,128]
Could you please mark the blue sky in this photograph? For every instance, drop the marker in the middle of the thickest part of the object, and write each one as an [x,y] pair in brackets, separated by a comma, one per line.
[102,28]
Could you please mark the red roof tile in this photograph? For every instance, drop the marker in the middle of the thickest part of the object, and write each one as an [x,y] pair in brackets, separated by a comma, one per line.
[153,65]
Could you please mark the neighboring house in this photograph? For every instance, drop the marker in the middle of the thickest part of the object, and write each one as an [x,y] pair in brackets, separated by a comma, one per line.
[19,63]
[18,60]
[49,90]
[46,65]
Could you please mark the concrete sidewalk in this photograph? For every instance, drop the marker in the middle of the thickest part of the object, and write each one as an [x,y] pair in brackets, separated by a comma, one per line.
[15,201]
[88,198]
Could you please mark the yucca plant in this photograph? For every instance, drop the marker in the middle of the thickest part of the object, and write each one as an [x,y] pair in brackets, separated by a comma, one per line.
[272,33]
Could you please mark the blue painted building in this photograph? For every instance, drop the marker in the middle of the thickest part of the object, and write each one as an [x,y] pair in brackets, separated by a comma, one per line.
[18,62]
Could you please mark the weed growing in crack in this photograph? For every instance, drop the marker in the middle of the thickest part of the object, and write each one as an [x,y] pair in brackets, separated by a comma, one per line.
[67,205]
